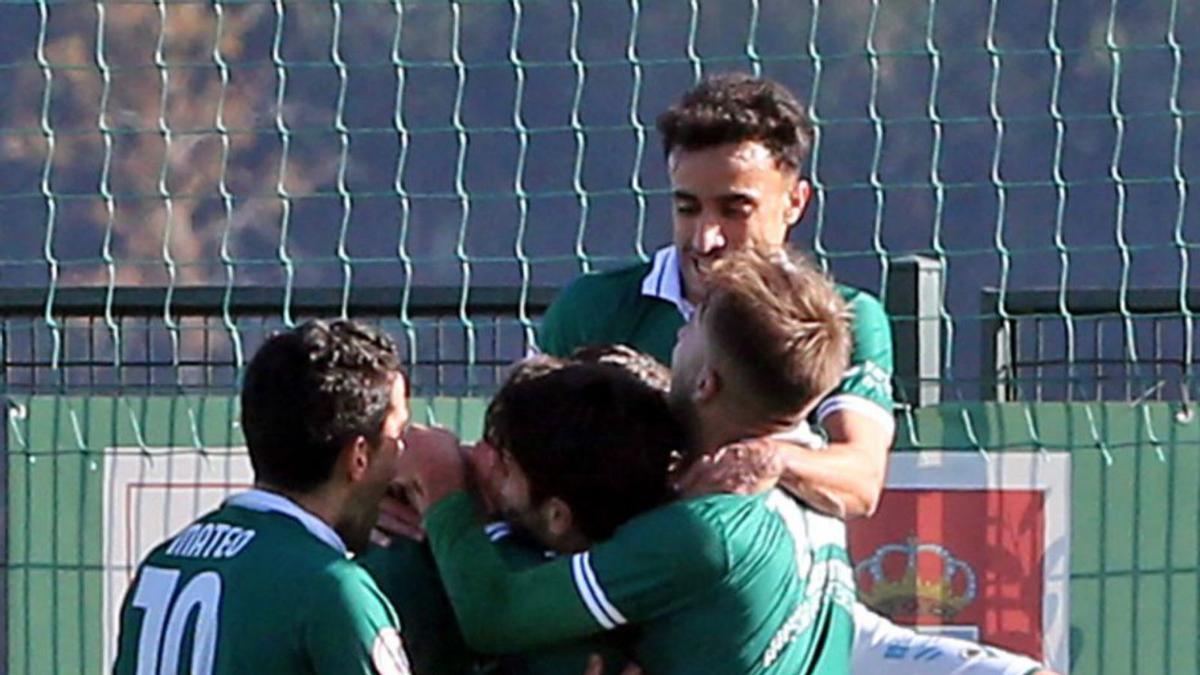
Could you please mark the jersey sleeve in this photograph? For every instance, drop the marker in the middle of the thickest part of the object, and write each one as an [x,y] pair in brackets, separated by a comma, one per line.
[628,579]
[351,628]
[867,385]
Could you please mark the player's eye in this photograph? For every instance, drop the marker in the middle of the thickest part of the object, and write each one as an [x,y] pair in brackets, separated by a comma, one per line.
[738,209]
[687,208]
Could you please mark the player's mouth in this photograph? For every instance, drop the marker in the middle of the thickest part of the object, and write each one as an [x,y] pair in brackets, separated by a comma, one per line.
[701,266]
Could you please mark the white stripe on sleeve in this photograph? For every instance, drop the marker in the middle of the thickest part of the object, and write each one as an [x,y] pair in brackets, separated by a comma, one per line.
[857,404]
[497,531]
[593,595]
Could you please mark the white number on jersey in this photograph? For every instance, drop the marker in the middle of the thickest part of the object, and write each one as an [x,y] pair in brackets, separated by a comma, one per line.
[161,640]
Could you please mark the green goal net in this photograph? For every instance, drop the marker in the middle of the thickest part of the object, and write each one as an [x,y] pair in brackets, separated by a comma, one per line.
[1015,179]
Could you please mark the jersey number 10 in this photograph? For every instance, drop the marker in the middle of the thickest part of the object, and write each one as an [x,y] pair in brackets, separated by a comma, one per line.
[161,639]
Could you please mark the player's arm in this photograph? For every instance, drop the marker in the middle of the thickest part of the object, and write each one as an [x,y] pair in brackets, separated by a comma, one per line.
[846,478]
[635,576]
[351,628]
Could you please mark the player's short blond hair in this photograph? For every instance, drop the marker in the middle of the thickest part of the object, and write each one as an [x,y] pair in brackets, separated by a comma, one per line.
[781,326]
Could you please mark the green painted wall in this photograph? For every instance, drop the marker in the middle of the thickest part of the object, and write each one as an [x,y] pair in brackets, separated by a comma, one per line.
[1135,588]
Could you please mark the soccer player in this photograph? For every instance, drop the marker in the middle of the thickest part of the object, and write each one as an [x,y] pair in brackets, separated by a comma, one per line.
[406,573]
[265,583]
[735,148]
[720,583]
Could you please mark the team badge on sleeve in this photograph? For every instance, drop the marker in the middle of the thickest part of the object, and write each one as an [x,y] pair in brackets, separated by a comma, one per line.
[387,654]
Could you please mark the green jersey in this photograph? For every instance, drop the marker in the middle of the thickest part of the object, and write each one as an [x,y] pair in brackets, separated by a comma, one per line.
[716,584]
[408,578]
[406,574]
[643,306]
[257,586]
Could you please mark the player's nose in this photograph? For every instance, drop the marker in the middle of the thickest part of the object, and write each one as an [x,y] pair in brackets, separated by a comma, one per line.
[708,237]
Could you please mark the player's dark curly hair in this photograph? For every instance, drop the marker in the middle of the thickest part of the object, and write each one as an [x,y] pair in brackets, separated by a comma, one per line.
[736,107]
[591,434]
[639,364]
[309,391]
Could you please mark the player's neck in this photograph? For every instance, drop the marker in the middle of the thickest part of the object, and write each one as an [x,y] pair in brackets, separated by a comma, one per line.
[722,427]
[320,502]
[719,428]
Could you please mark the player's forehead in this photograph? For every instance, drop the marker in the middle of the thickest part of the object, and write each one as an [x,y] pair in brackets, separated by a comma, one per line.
[729,170]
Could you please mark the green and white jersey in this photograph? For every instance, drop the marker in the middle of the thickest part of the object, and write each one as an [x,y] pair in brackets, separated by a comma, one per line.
[258,586]
[407,575]
[643,306]
[716,584]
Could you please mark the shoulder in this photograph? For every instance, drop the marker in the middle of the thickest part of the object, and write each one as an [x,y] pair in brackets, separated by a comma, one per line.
[345,577]
[867,308]
[584,311]
[605,285]
[697,526]
[871,327]
[343,586]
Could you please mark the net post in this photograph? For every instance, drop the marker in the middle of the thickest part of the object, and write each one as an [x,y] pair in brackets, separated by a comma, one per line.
[996,349]
[914,295]
[5,410]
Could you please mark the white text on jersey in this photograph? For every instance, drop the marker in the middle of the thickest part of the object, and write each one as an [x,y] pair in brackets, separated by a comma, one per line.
[210,540]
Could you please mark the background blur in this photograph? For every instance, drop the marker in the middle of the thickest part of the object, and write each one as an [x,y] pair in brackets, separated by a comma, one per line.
[179,178]
[472,144]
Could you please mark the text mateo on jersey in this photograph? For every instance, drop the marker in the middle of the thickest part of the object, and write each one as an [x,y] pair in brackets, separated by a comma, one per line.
[210,540]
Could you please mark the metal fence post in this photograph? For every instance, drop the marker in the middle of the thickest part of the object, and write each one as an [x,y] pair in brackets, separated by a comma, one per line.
[914,297]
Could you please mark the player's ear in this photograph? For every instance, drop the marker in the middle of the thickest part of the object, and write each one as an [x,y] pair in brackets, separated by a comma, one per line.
[559,519]
[708,385]
[356,457]
[798,199]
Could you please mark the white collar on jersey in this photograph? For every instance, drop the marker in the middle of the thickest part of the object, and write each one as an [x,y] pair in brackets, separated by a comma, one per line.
[270,502]
[665,281]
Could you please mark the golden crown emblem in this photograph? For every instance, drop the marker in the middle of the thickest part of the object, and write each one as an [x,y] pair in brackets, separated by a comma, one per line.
[912,593]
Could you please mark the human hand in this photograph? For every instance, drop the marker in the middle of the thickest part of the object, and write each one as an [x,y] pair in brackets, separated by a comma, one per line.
[746,468]
[397,518]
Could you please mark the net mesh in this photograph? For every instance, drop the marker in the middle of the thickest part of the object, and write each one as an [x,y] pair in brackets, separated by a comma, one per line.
[458,161]
[484,144]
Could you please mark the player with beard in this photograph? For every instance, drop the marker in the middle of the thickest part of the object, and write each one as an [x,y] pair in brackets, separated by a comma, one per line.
[736,147]
[265,583]
[712,584]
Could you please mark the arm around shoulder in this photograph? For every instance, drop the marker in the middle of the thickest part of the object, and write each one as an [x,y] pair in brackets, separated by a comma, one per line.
[646,569]
[845,479]
[499,609]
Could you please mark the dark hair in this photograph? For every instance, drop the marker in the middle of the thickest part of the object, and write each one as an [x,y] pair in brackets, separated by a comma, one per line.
[781,324]
[736,107]
[590,434]
[309,391]
[639,364]
[532,367]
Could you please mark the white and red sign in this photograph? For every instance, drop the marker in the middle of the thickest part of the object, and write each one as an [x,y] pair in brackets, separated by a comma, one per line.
[975,545]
